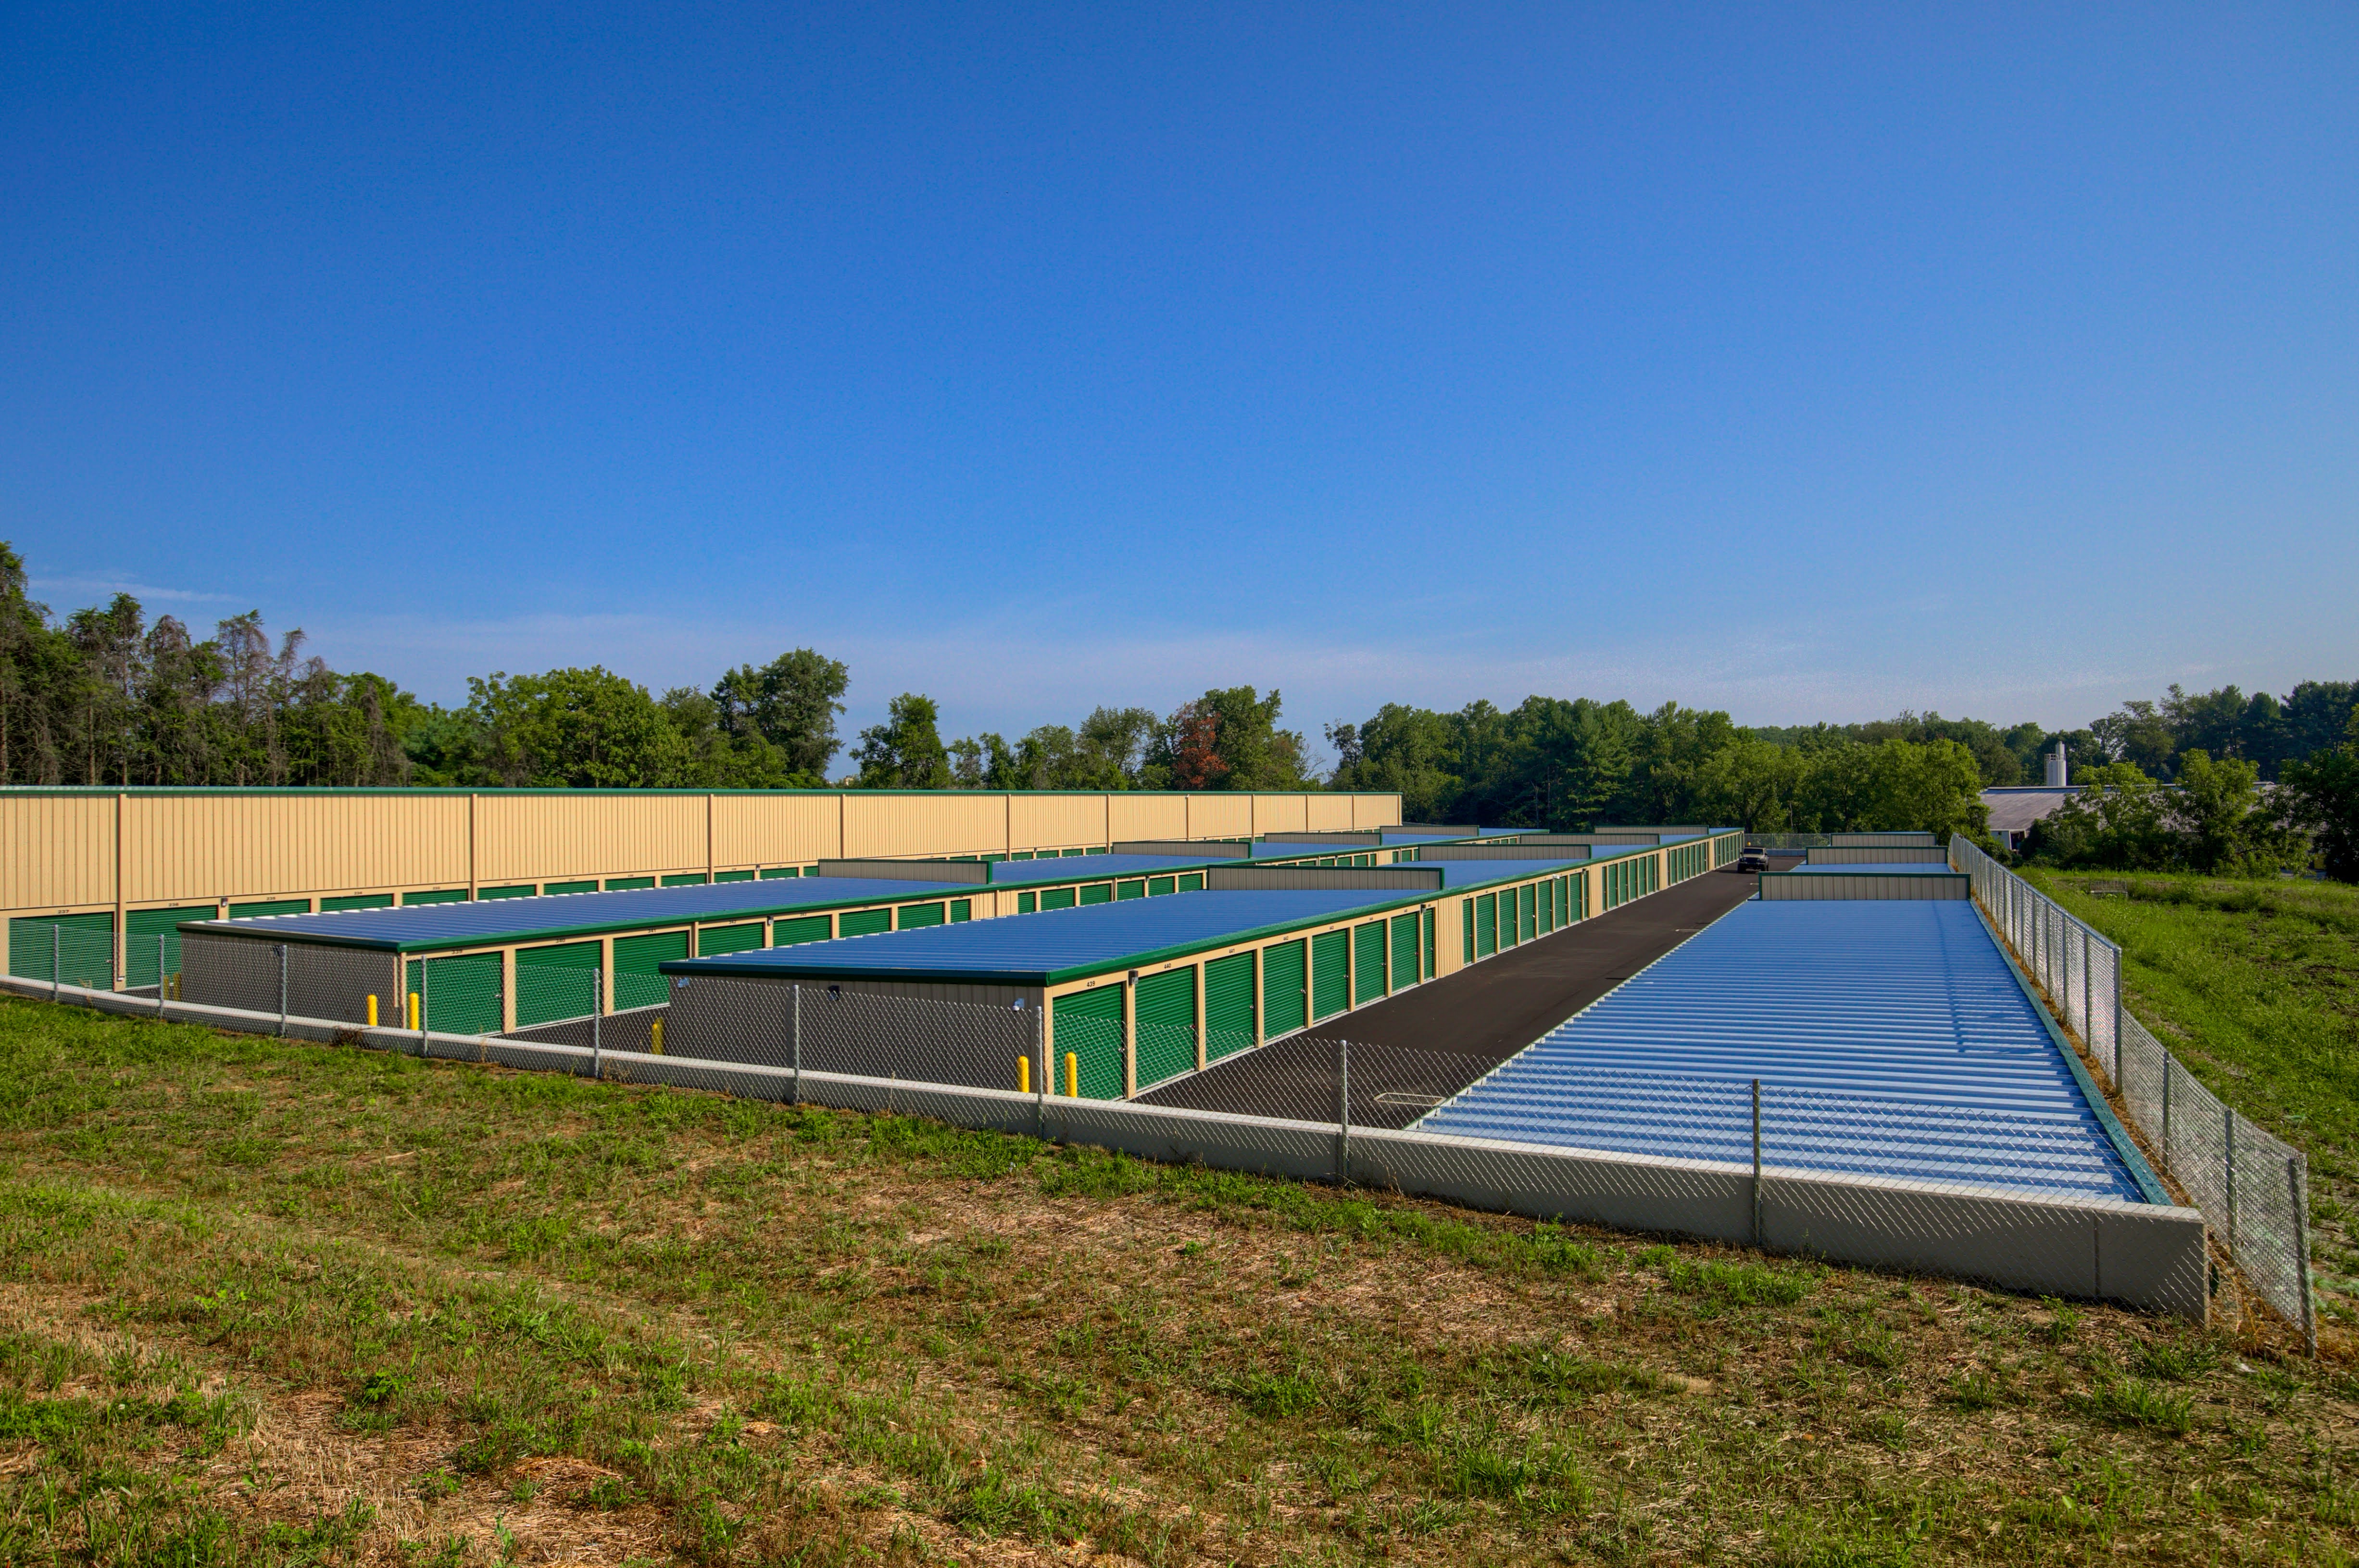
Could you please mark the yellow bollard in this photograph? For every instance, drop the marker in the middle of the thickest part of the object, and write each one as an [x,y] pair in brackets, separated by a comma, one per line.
[1073,1075]
[372,1023]
[1023,1075]
[655,1032]
[413,1009]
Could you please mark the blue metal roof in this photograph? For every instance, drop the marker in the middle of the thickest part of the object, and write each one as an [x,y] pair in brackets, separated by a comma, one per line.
[1053,946]
[1880,868]
[1089,867]
[1890,1038]
[495,921]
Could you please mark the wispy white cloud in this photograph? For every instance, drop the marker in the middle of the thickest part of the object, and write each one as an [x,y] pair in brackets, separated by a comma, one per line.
[50,588]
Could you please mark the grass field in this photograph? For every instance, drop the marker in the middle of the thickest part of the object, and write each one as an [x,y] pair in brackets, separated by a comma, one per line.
[274,1303]
[2256,986]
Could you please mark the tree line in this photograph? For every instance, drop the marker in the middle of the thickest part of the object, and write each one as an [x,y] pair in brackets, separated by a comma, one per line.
[103,696]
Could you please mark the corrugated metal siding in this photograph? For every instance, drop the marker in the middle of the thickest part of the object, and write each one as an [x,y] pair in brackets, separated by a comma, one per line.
[1164,1024]
[1890,1042]
[1912,836]
[1792,887]
[1229,1005]
[1876,854]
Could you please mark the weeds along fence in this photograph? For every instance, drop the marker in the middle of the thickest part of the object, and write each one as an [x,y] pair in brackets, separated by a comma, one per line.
[1734,1163]
[2253,1188]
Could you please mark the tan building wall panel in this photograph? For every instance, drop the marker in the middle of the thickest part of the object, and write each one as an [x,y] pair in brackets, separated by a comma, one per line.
[776,830]
[58,850]
[951,822]
[534,837]
[1036,819]
[1151,816]
[193,847]
[1215,815]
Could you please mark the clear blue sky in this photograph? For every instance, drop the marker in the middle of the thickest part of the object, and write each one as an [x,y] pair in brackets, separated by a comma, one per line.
[1807,362]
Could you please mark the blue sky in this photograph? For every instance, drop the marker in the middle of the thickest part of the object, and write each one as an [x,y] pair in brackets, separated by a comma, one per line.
[1808,361]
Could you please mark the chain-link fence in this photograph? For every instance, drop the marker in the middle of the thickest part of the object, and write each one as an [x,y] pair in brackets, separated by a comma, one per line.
[1788,843]
[2253,1188]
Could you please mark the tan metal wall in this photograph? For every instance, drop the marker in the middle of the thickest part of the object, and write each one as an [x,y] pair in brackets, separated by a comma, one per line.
[80,850]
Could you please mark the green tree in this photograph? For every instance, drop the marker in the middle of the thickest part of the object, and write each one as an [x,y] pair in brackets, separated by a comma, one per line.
[2118,822]
[579,729]
[792,702]
[905,752]
[2226,827]
[1229,739]
[2323,791]
[715,757]
[1406,751]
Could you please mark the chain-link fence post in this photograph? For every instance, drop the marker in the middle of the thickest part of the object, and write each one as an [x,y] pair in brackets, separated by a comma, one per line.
[282,990]
[597,1017]
[1756,1162]
[2296,1187]
[163,980]
[425,1008]
[1040,1075]
[2228,1121]
[795,1039]
[1342,1112]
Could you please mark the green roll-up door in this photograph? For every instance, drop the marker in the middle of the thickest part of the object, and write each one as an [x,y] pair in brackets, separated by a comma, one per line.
[81,950]
[1026,903]
[555,983]
[1191,882]
[733,877]
[140,930]
[1548,906]
[1466,937]
[864,922]
[1527,914]
[461,992]
[1087,1026]
[1163,1021]
[625,884]
[1367,962]
[1429,922]
[1057,899]
[1487,925]
[1330,974]
[1098,893]
[799,930]
[1129,890]
[1285,1000]
[1404,970]
[436,896]
[551,889]
[636,983]
[1228,1004]
[350,901]
[1070,853]
[713,940]
[264,907]
[1020,854]
[1158,885]
[686,879]
[962,909]
[911,916]
[779,872]
[521,890]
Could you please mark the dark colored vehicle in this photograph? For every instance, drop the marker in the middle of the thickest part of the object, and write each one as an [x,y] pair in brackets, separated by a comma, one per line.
[1753,860]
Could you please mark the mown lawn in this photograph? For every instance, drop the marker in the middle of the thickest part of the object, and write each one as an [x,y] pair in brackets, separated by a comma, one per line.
[2255,984]
[274,1303]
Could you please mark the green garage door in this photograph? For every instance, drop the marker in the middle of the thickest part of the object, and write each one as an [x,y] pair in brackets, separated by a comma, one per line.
[1164,1024]
[1429,970]
[1487,925]
[284,907]
[912,916]
[1228,1004]
[1528,918]
[555,983]
[864,922]
[522,890]
[1285,996]
[1130,890]
[1087,1026]
[636,982]
[801,929]
[140,930]
[1098,893]
[1158,885]
[462,993]
[713,940]
[1057,899]
[687,879]
[551,889]
[1367,962]
[962,909]
[80,952]
[437,896]
[625,884]
[1191,882]
[733,877]
[357,901]
[1404,970]
[1330,974]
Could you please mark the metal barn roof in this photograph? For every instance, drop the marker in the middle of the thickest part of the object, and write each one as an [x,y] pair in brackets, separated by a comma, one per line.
[490,921]
[1053,946]
[1891,1039]
[1097,867]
